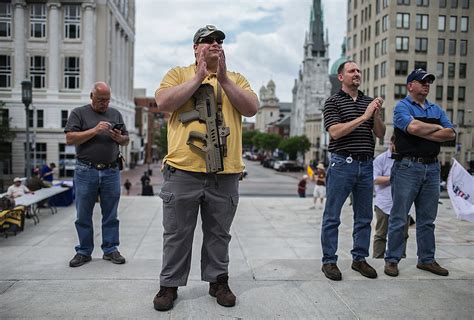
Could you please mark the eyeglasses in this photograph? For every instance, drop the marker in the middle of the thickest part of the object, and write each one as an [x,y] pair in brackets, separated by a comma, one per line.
[101,99]
[210,40]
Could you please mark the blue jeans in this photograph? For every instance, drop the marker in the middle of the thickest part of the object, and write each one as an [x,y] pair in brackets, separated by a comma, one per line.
[90,183]
[417,183]
[342,179]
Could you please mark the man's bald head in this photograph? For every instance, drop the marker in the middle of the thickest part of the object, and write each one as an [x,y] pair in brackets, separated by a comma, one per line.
[100,96]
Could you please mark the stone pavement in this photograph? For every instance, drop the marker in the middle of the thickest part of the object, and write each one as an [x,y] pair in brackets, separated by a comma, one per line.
[275,270]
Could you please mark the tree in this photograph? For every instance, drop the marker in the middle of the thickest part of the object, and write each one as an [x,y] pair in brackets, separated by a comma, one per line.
[270,141]
[6,138]
[5,134]
[247,139]
[294,145]
[161,140]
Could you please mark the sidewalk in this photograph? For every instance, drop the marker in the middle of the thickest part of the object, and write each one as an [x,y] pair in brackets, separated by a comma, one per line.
[274,270]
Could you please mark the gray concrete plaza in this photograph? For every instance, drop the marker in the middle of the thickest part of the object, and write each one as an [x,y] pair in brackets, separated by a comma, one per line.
[274,270]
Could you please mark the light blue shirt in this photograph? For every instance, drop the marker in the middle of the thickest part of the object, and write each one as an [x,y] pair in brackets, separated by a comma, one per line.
[383,194]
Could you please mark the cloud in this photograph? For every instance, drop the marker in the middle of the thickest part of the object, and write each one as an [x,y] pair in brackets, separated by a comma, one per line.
[264,38]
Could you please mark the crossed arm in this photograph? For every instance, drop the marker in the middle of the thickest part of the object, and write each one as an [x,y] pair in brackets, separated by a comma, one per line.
[430,131]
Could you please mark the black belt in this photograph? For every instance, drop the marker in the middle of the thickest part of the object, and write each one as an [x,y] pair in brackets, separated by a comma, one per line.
[355,156]
[423,160]
[99,166]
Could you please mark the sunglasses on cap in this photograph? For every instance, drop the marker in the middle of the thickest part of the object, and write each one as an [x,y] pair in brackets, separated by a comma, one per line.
[210,40]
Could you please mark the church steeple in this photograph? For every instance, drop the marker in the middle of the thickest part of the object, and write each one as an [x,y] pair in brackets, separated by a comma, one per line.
[316,30]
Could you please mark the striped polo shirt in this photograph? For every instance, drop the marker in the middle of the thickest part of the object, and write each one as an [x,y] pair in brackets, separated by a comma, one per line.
[340,108]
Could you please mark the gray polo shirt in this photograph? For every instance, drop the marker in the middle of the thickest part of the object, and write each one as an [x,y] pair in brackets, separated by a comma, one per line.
[101,148]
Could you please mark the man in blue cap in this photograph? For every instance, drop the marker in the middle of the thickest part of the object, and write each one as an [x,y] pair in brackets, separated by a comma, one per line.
[419,128]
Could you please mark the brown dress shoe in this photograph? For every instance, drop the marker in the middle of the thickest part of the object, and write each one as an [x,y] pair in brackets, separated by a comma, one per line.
[391,269]
[433,267]
[163,300]
[220,289]
[364,268]
[331,271]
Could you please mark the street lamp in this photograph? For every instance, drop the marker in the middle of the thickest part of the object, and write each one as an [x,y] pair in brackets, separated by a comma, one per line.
[26,98]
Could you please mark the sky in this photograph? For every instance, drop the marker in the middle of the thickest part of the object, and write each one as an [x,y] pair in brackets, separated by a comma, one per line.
[264,38]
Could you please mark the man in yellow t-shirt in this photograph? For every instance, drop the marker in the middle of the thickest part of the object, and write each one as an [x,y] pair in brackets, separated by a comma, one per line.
[188,187]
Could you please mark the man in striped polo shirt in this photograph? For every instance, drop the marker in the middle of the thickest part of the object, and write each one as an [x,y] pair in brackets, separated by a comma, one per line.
[351,118]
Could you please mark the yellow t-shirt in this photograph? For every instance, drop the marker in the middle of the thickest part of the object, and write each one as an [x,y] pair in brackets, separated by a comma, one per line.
[180,155]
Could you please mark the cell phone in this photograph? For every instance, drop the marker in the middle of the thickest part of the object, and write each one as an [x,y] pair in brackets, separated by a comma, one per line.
[118,126]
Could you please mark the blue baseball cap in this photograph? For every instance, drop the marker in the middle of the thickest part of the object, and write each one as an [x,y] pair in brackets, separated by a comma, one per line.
[420,75]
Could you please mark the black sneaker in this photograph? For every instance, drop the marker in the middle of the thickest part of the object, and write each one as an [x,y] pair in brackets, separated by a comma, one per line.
[331,271]
[79,260]
[220,290]
[114,257]
[163,300]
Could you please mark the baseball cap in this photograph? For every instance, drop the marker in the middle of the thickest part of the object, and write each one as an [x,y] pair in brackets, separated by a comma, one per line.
[17,179]
[206,31]
[420,75]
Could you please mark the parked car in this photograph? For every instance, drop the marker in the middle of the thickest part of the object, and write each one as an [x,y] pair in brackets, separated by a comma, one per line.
[268,162]
[287,165]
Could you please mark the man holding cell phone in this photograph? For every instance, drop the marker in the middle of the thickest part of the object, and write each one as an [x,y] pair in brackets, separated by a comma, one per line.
[97,131]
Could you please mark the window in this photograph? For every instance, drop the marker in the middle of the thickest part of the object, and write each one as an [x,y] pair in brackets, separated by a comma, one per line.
[440,70]
[441,23]
[403,2]
[385,3]
[349,22]
[464,25]
[376,91]
[460,117]
[38,72]
[463,47]
[354,41]
[349,6]
[63,118]
[31,118]
[72,21]
[5,20]
[5,71]
[383,69]
[441,46]
[450,95]
[377,50]
[454,4]
[421,45]
[439,92]
[382,91]
[442,3]
[355,4]
[452,47]
[401,67]
[422,3]
[449,114]
[349,44]
[67,160]
[40,150]
[38,20]
[400,91]
[384,47]
[451,70]
[377,27]
[421,65]
[71,73]
[376,72]
[384,23]
[403,20]
[462,70]
[39,118]
[355,21]
[377,6]
[401,43]
[453,20]
[422,22]
[465,4]
[461,93]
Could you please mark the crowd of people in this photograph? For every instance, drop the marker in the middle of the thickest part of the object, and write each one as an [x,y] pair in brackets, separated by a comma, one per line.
[195,182]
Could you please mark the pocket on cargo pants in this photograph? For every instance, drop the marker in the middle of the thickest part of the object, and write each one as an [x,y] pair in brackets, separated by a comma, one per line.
[169,212]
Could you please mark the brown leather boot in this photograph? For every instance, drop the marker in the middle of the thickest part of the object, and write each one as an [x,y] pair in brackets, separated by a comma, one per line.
[331,271]
[364,268]
[433,267]
[391,269]
[220,289]
[163,300]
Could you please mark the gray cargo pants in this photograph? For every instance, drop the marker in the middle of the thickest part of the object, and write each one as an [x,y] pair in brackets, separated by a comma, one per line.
[183,194]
